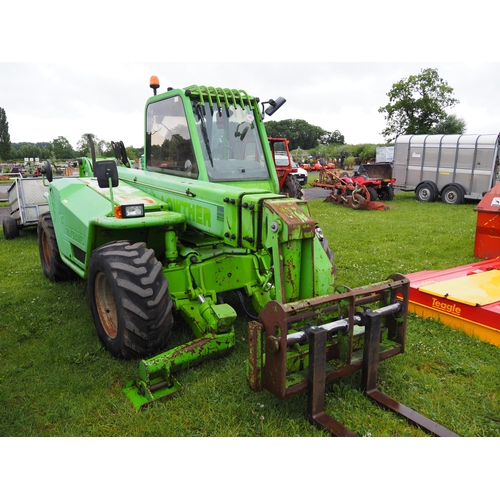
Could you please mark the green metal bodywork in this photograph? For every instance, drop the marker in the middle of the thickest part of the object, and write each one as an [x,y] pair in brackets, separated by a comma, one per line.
[211,237]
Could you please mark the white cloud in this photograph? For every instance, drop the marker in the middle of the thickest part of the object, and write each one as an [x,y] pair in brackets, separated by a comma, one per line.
[47,100]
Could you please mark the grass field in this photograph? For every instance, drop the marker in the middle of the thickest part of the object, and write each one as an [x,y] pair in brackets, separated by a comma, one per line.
[57,380]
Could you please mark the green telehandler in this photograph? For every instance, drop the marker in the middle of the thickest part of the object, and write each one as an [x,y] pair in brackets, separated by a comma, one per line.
[201,218]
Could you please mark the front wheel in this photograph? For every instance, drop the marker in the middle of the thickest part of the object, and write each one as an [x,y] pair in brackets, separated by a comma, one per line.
[387,193]
[129,300]
[373,193]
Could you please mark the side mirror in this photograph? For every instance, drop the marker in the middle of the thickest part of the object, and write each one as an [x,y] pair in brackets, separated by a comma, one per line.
[48,171]
[105,171]
[275,105]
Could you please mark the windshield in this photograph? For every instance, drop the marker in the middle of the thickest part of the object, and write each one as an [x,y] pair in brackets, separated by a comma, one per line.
[230,142]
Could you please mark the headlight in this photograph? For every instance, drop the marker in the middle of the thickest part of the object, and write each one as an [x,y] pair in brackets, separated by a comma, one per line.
[129,211]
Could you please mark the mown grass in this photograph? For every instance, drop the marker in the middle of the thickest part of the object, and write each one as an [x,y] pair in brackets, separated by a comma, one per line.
[57,380]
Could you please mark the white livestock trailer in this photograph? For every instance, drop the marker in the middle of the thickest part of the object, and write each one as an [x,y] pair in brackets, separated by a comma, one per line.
[455,167]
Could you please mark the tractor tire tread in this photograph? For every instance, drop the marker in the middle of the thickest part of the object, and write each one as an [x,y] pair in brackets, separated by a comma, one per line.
[144,307]
[53,266]
[292,188]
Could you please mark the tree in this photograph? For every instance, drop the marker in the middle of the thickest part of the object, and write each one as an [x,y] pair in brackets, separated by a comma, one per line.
[83,145]
[20,150]
[102,148]
[29,151]
[451,124]
[62,149]
[349,162]
[367,152]
[333,138]
[342,152]
[132,153]
[105,148]
[5,144]
[298,132]
[417,104]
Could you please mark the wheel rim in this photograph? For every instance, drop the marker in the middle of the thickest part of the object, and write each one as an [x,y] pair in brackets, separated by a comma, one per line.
[451,197]
[426,193]
[105,305]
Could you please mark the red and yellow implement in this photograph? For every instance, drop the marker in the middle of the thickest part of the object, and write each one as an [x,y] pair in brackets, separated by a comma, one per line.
[465,297]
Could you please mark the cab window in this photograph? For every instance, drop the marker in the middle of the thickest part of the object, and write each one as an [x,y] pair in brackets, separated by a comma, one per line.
[169,149]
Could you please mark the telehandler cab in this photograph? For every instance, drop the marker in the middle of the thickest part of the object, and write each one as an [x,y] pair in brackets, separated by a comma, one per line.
[203,217]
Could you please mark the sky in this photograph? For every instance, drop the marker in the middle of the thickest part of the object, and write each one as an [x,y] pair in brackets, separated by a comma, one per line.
[334,67]
[45,100]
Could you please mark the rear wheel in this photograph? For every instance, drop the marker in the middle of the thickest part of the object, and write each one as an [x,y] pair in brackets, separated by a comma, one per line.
[10,228]
[129,300]
[425,192]
[387,193]
[53,266]
[292,188]
[452,195]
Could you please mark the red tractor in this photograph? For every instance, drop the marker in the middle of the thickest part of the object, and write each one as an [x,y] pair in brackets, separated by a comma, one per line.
[289,184]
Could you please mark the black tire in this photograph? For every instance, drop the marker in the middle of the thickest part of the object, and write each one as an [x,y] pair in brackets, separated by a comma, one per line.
[425,192]
[53,266]
[292,188]
[452,195]
[373,193]
[129,300]
[10,228]
[387,193]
